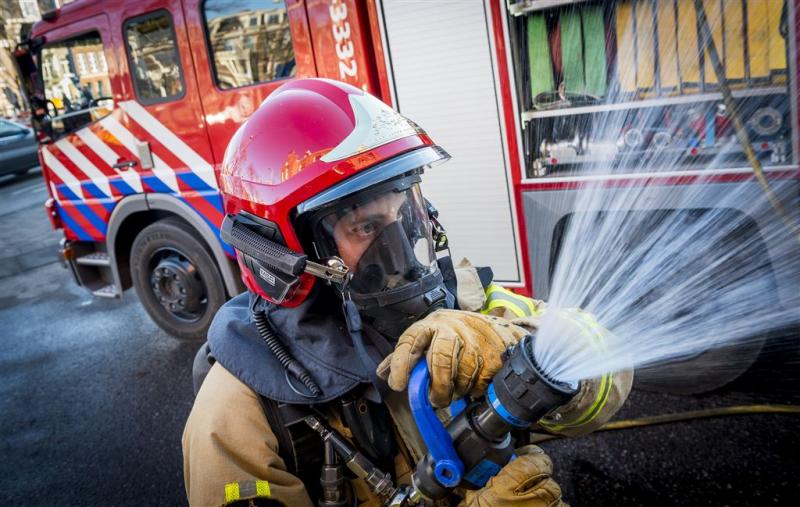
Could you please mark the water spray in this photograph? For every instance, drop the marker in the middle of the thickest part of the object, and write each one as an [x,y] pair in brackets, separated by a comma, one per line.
[690,274]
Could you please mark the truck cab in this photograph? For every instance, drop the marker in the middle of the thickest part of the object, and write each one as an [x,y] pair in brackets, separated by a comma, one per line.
[134,104]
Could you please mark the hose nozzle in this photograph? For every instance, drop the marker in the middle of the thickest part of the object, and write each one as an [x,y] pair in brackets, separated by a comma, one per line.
[522,392]
[478,442]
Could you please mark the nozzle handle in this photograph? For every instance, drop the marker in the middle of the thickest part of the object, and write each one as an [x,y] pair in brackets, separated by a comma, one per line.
[447,466]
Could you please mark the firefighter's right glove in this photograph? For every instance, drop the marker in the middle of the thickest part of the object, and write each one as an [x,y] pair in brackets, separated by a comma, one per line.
[463,350]
[524,482]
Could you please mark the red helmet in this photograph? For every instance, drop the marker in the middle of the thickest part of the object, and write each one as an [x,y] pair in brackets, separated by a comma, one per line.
[303,177]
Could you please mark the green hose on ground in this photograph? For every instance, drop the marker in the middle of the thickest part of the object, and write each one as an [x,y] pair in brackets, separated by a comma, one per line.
[683,416]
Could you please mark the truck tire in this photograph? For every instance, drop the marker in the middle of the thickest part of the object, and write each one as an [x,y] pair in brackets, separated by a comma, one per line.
[176,278]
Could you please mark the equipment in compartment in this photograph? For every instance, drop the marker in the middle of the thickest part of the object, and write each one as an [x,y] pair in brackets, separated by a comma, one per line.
[659,48]
[733,41]
[667,32]
[750,35]
[539,60]
[713,9]
[681,135]
[566,57]
[628,84]
[594,41]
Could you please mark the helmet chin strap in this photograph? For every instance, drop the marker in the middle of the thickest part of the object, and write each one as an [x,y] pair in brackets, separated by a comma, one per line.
[352,318]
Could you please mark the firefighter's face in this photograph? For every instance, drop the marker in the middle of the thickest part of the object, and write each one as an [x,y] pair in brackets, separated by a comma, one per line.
[355,231]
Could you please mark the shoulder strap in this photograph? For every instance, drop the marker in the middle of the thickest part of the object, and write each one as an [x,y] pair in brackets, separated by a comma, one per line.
[355,327]
[448,273]
[485,275]
[371,427]
[300,447]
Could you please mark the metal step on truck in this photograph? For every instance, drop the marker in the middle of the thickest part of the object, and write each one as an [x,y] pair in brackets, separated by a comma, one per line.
[134,104]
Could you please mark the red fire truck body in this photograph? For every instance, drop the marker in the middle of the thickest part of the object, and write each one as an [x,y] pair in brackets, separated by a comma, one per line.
[136,101]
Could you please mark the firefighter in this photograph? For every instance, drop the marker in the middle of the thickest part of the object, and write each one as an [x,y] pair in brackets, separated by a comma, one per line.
[331,171]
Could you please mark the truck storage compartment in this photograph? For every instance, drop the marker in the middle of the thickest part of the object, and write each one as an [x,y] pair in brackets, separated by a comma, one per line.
[628,86]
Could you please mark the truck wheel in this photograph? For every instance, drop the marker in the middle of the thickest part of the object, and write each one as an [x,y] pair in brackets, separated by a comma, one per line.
[176,278]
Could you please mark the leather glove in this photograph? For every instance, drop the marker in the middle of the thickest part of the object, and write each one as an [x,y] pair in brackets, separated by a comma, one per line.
[463,351]
[525,481]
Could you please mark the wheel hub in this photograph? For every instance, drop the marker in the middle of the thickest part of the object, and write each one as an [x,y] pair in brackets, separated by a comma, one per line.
[176,286]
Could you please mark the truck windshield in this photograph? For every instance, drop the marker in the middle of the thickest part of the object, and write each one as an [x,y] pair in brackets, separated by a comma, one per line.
[250,41]
[75,81]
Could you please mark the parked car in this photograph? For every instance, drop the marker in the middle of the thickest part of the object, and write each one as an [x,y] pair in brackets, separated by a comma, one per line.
[18,148]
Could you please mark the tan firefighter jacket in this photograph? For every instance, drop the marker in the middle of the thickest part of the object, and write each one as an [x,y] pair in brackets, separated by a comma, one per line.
[230,454]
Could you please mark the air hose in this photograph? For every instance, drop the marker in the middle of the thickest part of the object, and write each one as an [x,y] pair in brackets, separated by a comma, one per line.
[683,416]
[741,132]
[284,357]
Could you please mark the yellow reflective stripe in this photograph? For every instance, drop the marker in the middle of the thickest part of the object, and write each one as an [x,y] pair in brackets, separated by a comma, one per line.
[591,329]
[597,332]
[247,489]
[492,288]
[602,397]
[497,296]
[262,488]
[522,300]
[502,303]
[599,402]
[231,492]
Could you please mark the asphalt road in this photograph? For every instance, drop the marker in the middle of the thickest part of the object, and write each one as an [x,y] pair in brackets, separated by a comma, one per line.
[93,397]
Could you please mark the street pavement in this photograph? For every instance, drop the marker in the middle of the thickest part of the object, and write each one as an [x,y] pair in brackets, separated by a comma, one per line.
[93,395]
[727,461]
[25,243]
[93,398]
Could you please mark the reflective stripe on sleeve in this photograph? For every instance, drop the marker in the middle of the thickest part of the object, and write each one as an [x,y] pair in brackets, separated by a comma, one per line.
[499,297]
[246,489]
[594,333]
[590,413]
[231,492]
[262,488]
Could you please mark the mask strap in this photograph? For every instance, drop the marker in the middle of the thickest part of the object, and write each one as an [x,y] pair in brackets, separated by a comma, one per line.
[354,326]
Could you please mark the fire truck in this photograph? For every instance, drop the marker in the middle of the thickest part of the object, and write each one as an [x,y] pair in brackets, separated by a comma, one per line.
[134,104]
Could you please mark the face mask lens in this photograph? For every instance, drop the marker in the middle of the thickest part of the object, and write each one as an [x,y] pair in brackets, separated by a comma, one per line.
[385,240]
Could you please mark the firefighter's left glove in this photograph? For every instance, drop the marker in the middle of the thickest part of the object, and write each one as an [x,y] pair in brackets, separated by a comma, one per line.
[463,350]
[525,482]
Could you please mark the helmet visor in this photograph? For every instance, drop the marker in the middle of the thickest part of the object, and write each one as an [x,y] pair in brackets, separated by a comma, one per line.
[385,239]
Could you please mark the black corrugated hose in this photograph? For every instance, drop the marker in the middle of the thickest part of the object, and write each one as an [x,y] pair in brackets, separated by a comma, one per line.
[289,363]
